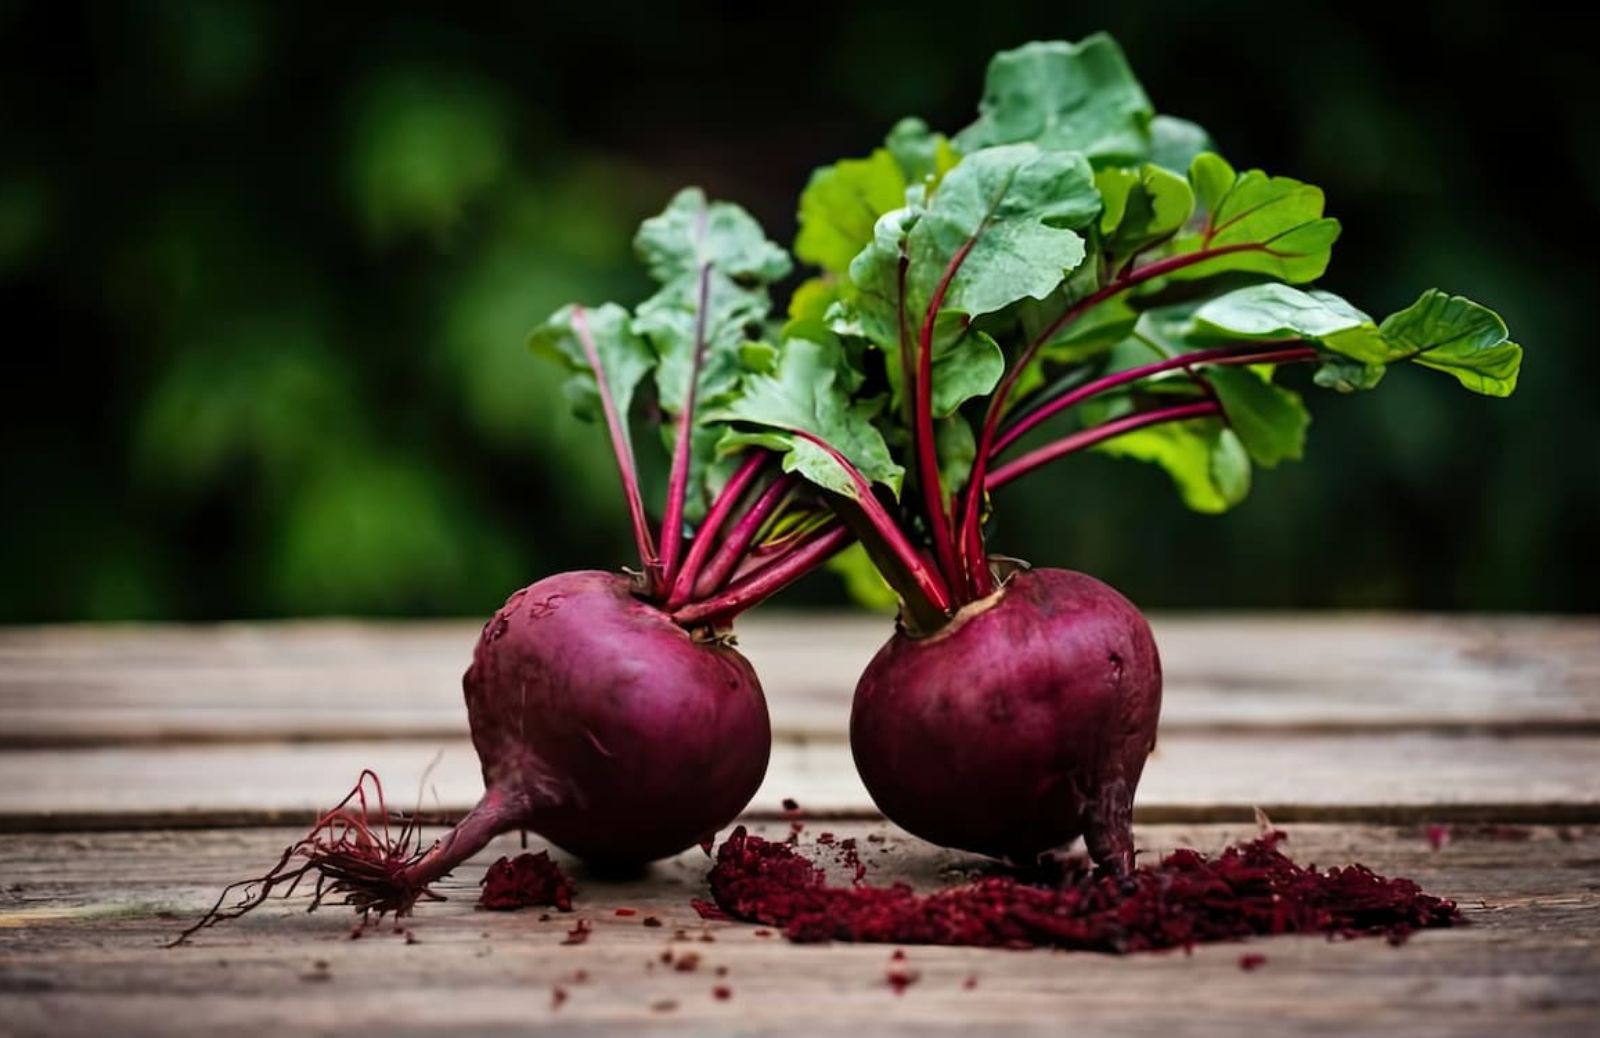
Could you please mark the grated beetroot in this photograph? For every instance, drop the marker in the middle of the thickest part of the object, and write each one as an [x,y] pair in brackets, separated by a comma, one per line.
[527,879]
[1189,898]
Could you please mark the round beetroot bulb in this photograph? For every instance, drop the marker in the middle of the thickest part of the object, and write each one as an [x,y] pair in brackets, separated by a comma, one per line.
[621,737]
[1020,726]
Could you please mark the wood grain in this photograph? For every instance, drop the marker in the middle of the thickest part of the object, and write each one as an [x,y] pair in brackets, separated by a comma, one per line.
[1374,776]
[80,954]
[64,686]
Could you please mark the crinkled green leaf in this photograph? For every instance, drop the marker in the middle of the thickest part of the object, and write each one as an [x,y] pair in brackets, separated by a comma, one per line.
[1459,337]
[1079,97]
[625,359]
[1016,206]
[714,263]
[693,232]
[671,321]
[1008,209]
[1256,223]
[807,394]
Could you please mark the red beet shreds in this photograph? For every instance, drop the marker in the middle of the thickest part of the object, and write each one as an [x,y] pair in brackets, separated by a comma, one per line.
[1189,898]
[528,879]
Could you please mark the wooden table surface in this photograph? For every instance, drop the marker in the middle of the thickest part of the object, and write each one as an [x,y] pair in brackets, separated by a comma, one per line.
[141,768]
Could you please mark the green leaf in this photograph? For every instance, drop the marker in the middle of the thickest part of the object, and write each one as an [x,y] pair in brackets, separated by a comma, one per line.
[1270,420]
[1440,331]
[624,357]
[1207,462]
[692,233]
[1013,208]
[1174,142]
[671,321]
[1142,207]
[966,363]
[813,298]
[1267,225]
[1062,96]
[1454,335]
[1007,211]
[806,394]
[714,263]
[862,581]
[842,203]
[957,449]
[923,156]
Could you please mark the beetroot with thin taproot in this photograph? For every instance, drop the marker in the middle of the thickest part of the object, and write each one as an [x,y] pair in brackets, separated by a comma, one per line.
[1042,744]
[607,728]
[611,713]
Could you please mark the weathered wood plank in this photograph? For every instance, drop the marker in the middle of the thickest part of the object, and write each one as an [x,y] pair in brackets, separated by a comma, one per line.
[81,919]
[332,679]
[1372,776]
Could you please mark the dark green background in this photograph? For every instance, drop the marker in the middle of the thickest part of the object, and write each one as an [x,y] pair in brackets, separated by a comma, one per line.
[267,269]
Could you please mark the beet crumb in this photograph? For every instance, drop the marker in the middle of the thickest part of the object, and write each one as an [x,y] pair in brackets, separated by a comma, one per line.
[707,937]
[722,992]
[1188,898]
[790,804]
[1438,836]
[580,976]
[898,975]
[579,932]
[558,995]
[627,911]
[528,879]
[971,982]
[708,910]
[411,938]
[1252,961]
[722,971]
[651,920]
[688,962]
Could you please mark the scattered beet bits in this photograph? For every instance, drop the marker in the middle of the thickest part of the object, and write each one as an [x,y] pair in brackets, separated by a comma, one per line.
[523,881]
[1189,898]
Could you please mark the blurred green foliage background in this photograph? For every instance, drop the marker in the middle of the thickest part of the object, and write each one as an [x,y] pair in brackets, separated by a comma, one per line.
[267,271]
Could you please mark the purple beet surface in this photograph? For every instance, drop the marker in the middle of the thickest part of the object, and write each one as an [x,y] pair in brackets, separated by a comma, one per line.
[1021,725]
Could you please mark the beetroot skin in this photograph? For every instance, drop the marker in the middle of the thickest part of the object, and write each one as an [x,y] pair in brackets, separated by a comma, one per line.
[606,728]
[1021,725]
[621,737]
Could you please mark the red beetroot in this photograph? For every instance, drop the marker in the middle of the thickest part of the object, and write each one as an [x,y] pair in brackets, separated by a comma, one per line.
[607,728]
[1019,726]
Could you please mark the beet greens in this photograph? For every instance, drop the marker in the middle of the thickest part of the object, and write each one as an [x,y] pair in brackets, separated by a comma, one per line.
[1073,255]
